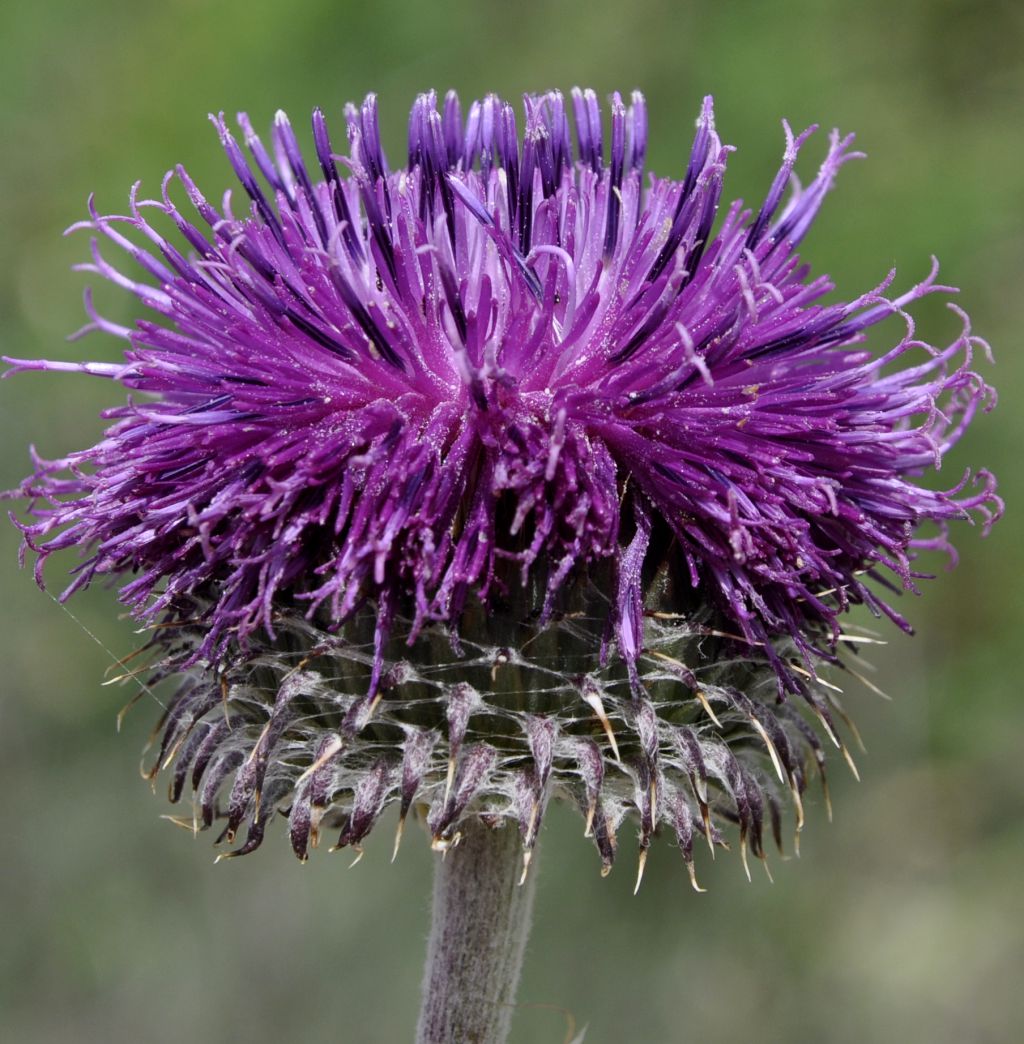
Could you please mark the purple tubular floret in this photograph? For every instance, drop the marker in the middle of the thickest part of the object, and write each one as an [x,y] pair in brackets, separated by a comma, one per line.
[390,385]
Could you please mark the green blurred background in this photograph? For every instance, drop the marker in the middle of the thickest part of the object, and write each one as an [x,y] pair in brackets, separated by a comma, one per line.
[902,921]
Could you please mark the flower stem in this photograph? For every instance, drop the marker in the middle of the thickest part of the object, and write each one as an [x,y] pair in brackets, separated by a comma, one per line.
[481,918]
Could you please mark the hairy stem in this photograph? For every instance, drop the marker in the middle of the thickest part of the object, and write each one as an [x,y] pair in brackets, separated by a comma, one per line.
[481,918]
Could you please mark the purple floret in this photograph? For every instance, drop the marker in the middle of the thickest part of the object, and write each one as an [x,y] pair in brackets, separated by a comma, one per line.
[510,358]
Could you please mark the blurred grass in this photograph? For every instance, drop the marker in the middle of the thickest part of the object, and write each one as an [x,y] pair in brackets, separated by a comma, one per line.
[902,919]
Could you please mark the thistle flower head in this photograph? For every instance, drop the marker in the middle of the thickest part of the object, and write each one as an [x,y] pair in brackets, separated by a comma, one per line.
[501,474]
